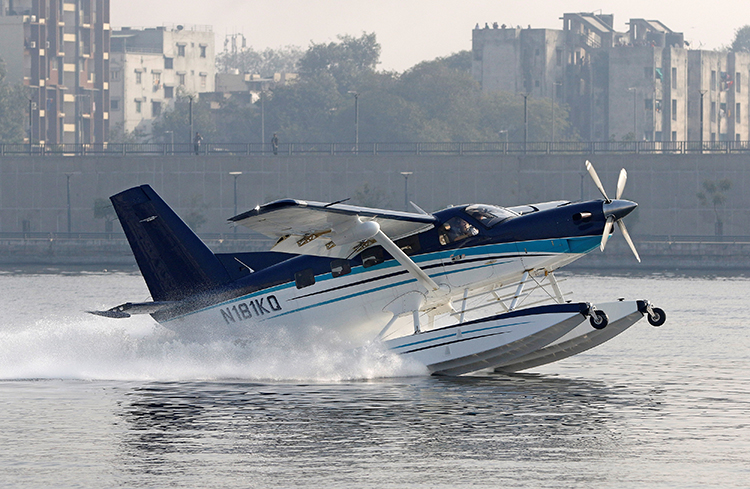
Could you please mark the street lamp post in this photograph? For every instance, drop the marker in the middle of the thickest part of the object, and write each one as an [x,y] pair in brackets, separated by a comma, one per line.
[32,105]
[554,90]
[525,121]
[356,120]
[262,119]
[171,136]
[190,115]
[235,174]
[702,92]
[635,112]
[406,189]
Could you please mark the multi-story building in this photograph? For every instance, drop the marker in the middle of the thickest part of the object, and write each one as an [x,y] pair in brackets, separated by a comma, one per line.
[644,84]
[60,50]
[151,67]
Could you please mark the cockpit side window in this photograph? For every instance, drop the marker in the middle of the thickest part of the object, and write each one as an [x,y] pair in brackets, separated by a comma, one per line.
[456,229]
[489,215]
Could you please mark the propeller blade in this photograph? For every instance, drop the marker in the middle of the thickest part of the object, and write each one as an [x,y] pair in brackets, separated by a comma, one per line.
[625,233]
[595,178]
[607,230]
[621,180]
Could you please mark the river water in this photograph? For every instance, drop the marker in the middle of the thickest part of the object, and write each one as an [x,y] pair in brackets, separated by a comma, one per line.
[94,402]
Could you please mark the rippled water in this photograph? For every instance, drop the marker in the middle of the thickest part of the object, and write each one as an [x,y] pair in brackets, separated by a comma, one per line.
[91,402]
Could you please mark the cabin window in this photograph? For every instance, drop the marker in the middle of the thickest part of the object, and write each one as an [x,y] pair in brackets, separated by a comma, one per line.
[304,278]
[340,267]
[372,256]
[456,229]
[409,245]
[489,215]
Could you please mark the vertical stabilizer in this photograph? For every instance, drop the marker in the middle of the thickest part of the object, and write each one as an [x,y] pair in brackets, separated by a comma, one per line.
[174,262]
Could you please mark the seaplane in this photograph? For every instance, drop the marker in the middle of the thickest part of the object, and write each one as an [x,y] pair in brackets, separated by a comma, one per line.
[448,289]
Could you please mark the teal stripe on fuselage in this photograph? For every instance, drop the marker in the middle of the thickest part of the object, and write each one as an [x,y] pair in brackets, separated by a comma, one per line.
[556,245]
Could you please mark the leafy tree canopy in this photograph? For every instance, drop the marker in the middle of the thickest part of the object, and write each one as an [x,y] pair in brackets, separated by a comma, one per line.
[347,60]
[742,39]
[13,112]
[265,62]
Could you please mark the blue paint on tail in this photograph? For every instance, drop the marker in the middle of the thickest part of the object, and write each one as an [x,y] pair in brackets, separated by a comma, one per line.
[175,263]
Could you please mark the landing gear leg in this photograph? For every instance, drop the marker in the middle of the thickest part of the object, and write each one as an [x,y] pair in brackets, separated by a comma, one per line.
[415,316]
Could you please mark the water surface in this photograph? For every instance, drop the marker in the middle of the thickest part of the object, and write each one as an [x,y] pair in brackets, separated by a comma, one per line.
[92,402]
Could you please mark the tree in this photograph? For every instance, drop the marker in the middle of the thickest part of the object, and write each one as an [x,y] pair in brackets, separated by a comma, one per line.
[177,121]
[265,63]
[741,39]
[13,116]
[103,209]
[347,60]
[713,195]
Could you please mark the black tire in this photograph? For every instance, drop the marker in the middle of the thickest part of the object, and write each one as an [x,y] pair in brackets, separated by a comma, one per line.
[599,320]
[658,318]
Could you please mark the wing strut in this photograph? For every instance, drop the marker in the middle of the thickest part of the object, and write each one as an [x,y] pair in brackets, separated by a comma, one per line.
[406,262]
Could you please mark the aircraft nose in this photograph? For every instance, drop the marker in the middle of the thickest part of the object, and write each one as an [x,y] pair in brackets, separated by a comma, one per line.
[618,208]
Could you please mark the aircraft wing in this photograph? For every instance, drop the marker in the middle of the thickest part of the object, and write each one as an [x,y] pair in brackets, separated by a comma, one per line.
[332,230]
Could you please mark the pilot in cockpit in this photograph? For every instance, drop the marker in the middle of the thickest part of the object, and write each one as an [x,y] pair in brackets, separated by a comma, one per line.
[456,229]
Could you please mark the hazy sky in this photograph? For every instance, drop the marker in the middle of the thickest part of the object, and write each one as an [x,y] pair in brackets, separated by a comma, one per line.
[411,31]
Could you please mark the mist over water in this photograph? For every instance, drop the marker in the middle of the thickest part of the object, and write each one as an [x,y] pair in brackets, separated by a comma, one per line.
[67,343]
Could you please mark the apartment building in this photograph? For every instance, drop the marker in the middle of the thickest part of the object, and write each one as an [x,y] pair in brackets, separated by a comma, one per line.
[151,67]
[60,50]
[644,84]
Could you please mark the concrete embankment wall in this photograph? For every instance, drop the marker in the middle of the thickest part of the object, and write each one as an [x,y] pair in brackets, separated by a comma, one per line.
[33,189]
[729,256]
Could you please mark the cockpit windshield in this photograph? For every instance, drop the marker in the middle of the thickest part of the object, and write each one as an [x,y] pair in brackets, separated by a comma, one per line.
[489,215]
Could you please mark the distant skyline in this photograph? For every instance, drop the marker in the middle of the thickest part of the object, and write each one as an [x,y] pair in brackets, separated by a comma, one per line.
[411,31]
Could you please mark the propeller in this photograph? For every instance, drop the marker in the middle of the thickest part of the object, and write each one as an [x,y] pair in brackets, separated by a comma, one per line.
[614,207]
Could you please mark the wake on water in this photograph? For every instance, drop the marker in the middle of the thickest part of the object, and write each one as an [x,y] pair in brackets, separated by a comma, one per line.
[92,348]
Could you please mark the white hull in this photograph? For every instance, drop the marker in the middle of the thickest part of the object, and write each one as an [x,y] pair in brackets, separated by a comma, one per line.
[488,342]
[621,315]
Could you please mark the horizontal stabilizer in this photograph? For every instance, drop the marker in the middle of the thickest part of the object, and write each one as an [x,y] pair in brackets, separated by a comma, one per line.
[313,228]
[129,308]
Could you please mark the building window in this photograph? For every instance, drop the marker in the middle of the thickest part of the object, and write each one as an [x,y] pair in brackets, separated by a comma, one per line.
[181,50]
[155,108]
[713,111]
[674,135]
[181,79]
[649,103]
[738,82]
[674,77]
[737,117]
[168,63]
[674,109]
[114,75]
[156,80]
[203,51]
[138,77]
[168,92]
[138,105]
[713,80]
[204,78]
[114,104]
[737,137]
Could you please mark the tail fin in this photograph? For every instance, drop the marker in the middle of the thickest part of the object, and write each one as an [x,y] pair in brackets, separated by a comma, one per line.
[174,262]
